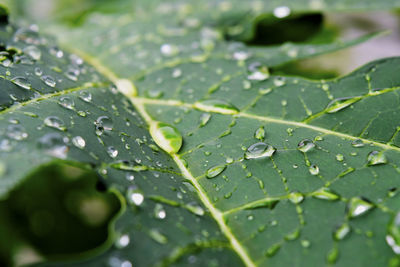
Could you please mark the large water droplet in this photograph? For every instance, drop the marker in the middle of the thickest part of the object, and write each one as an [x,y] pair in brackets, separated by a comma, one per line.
[103,124]
[48,80]
[216,105]
[341,103]
[54,145]
[214,171]
[79,142]
[259,150]
[17,132]
[342,231]
[166,136]
[305,145]
[358,206]
[66,102]
[376,158]
[281,11]
[21,82]
[55,122]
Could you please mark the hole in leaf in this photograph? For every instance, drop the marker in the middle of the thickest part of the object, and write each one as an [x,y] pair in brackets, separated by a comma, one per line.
[56,214]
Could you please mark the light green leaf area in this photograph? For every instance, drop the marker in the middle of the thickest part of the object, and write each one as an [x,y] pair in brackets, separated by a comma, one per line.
[272,170]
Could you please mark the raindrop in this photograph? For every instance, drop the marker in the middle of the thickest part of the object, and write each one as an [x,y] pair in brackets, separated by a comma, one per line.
[55,122]
[357,143]
[55,51]
[159,212]
[332,255]
[305,243]
[358,206]
[241,55]
[112,152]
[130,176]
[48,80]
[281,11]
[272,250]
[296,197]
[259,150]
[85,96]
[166,136]
[376,158]
[79,142]
[216,105]
[122,241]
[129,166]
[103,124]
[393,234]
[16,132]
[33,52]
[341,232]
[169,50]
[176,73]
[314,169]
[325,194]
[66,102]
[158,237]
[305,145]
[21,82]
[204,119]
[339,157]
[38,71]
[215,171]
[260,133]
[54,144]
[279,81]
[195,208]
[257,72]
[134,196]
[341,103]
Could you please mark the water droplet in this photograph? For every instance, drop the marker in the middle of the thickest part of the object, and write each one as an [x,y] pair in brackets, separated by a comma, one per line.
[55,51]
[357,143]
[325,194]
[272,250]
[21,82]
[216,105]
[134,196]
[112,152]
[376,158]
[341,103]
[296,197]
[129,166]
[195,208]
[305,243]
[159,212]
[204,119]
[305,145]
[166,136]
[293,236]
[16,132]
[314,169]
[54,145]
[339,157]
[85,96]
[123,241]
[393,234]
[66,102]
[260,133]
[176,73]
[358,206]
[55,122]
[259,150]
[48,80]
[279,81]
[332,255]
[258,72]
[158,237]
[281,11]
[79,142]
[33,52]
[215,171]
[103,124]
[341,232]
[38,71]
[169,50]
[72,73]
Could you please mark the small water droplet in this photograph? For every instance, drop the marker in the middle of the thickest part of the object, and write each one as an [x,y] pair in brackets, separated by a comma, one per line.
[272,250]
[305,145]
[258,72]
[79,142]
[176,73]
[314,169]
[134,196]
[204,119]
[305,243]
[358,206]
[169,50]
[259,150]
[55,122]
[55,51]
[376,158]
[112,152]
[16,132]
[103,124]
[357,143]
[33,52]
[279,81]
[85,96]
[325,194]
[341,232]
[216,105]
[21,82]
[38,71]
[66,102]
[339,157]
[159,212]
[215,171]
[332,255]
[260,133]
[54,145]
[393,233]
[48,80]
[166,136]
[296,197]
[123,241]
[158,237]
[341,103]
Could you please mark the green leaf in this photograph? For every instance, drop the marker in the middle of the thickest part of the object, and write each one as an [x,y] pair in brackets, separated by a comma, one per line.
[318,184]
